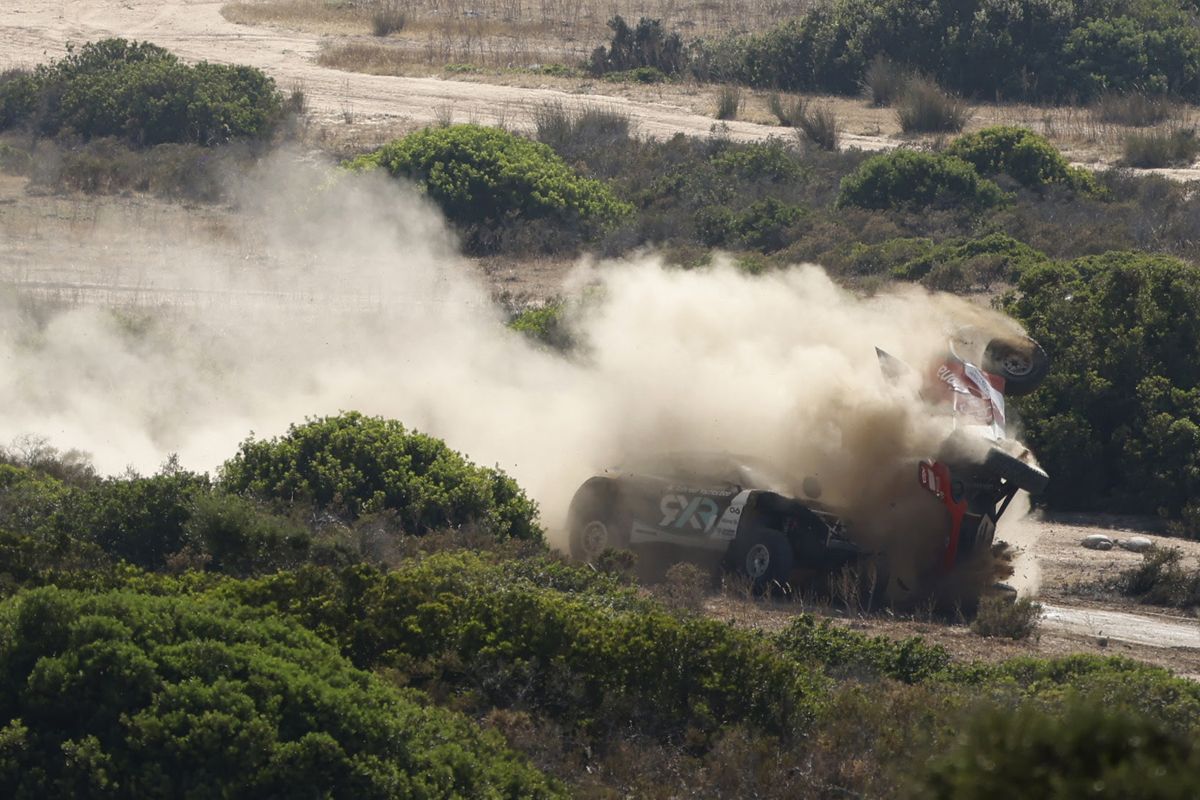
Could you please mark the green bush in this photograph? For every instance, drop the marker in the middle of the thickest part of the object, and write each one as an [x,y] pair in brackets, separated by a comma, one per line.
[487,176]
[1120,409]
[771,160]
[143,94]
[545,325]
[1026,49]
[646,47]
[907,179]
[352,465]
[762,226]
[989,259]
[18,97]
[1084,749]
[130,695]
[1024,156]
[239,538]
[924,108]
[849,653]
[561,641]
[138,520]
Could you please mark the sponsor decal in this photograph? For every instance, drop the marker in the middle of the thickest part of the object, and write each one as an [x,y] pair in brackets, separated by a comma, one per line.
[692,513]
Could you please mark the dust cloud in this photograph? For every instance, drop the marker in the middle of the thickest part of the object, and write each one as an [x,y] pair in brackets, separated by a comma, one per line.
[1018,528]
[338,292]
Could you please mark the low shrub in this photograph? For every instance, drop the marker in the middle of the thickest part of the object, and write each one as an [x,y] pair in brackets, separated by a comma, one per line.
[772,161]
[1161,579]
[913,180]
[236,537]
[125,693]
[924,108]
[1004,617]
[1026,157]
[1084,749]
[352,464]
[388,18]
[683,588]
[560,641]
[112,166]
[1177,148]
[729,102]
[646,46]
[847,653]
[762,226]
[489,177]
[986,260]
[545,325]
[1135,109]
[636,75]
[885,81]
[143,94]
[818,124]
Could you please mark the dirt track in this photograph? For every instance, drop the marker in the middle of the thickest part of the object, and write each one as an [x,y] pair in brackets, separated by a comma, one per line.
[33,30]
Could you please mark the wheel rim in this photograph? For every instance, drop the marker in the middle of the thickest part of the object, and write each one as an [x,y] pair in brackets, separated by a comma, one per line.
[595,537]
[758,561]
[1017,364]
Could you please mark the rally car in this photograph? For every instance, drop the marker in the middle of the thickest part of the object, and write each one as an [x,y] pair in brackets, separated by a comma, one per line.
[770,529]
[710,504]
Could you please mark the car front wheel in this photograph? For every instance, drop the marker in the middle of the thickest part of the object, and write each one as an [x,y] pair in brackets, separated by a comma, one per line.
[765,557]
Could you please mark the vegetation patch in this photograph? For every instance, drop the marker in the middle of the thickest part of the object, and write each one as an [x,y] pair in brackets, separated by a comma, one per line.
[483,178]
[353,465]
[1023,50]
[913,180]
[142,94]
[1022,155]
[116,692]
[1120,410]
[1176,148]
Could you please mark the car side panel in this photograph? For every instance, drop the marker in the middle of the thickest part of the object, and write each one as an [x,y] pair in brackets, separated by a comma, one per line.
[688,516]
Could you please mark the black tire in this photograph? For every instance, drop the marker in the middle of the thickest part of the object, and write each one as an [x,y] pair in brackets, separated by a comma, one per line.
[765,557]
[1023,475]
[594,523]
[1023,364]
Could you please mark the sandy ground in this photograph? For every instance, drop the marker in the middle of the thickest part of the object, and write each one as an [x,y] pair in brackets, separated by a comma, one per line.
[1072,622]
[33,31]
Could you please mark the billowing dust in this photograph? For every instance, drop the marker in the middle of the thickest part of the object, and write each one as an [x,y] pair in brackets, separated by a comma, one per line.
[346,292]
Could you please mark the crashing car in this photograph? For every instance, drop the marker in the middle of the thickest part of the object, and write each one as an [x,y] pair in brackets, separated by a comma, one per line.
[738,511]
[710,506]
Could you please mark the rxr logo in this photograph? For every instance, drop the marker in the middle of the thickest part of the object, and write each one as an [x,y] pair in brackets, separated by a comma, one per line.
[679,511]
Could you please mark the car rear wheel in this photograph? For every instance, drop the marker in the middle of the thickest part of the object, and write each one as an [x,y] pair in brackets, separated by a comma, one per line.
[1022,364]
[594,525]
[765,557]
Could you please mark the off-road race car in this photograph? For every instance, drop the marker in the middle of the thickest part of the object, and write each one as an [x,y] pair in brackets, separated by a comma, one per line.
[710,506]
[775,529]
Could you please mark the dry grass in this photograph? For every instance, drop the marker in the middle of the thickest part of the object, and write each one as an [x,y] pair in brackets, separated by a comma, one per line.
[303,15]
[368,57]
[508,32]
